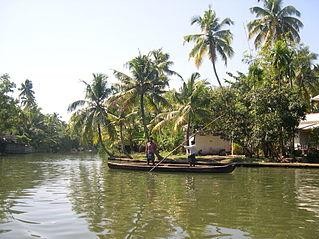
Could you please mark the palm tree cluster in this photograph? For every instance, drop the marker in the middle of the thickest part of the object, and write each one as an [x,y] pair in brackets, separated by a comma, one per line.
[92,114]
[138,102]
[190,104]
[259,109]
[149,77]
[143,87]
[141,104]
[23,122]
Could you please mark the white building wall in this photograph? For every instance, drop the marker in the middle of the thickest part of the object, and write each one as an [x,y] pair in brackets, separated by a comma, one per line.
[210,144]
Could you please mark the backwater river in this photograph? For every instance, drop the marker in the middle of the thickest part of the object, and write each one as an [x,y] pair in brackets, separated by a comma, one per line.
[77,196]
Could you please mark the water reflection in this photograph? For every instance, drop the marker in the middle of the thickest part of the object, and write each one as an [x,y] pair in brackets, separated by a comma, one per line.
[79,197]
[15,178]
[33,199]
[145,205]
[224,233]
[163,205]
[307,184]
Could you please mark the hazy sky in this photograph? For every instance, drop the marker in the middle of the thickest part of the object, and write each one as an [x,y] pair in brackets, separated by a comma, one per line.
[57,43]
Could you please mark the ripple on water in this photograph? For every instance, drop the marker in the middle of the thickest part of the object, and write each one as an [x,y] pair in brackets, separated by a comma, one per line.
[44,213]
[80,198]
[224,233]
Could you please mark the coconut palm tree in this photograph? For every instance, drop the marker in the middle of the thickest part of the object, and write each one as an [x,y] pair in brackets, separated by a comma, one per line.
[306,73]
[145,85]
[191,104]
[122,114]
[91,116]
[281,58]
[121,119]
[213,40]
[163,63]
[27,94]
[274,22]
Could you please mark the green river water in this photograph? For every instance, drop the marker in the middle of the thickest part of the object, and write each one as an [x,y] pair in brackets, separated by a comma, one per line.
[77,196]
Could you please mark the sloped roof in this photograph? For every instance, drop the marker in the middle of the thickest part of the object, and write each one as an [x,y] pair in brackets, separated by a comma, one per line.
[310,122]
[315,98]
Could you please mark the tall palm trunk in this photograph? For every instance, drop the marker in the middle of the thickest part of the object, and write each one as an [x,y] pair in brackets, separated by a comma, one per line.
[101,141]
[281,142]
[215,71]
[281,129]
[146,135]
[122,138]
[188,129]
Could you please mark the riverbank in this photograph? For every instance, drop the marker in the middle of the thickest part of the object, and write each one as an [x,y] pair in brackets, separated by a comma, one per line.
[239,160]
[277,165]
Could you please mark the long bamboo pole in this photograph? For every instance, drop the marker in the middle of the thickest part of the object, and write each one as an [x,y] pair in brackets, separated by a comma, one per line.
[182,144]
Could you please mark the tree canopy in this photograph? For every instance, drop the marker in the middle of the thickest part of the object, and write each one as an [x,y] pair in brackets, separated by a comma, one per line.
[213,40]
[259,109]
[274,22]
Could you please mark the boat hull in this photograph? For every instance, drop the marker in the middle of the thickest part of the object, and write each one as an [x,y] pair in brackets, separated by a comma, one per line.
[173,167]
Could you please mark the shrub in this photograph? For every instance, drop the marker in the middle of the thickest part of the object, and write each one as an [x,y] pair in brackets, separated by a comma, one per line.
[238,150]
[312,156]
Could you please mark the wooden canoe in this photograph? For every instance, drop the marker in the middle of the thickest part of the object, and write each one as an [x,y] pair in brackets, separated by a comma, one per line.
[173,167]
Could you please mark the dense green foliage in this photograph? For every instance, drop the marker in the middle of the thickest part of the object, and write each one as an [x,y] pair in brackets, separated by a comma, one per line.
[27,124]
[260,110]
[8,106]
[145,86]
[190,105]
[274,22]
[91,118]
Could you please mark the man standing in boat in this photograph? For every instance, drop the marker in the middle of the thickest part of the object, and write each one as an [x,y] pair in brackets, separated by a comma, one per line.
[150,151]
[192,151]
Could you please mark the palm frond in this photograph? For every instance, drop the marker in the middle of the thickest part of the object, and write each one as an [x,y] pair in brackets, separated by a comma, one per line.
[122,77]
[196,19]
[260,12]
[226,21]
[194,37]
[73,106]
[289,10]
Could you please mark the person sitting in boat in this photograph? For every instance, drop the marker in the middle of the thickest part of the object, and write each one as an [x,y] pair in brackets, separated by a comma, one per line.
[192,151]
[150,150]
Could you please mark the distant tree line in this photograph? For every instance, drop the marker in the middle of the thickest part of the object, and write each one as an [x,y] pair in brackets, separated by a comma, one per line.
[22,121]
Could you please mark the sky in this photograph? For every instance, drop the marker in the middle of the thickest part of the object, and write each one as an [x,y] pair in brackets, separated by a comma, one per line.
[58,43]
